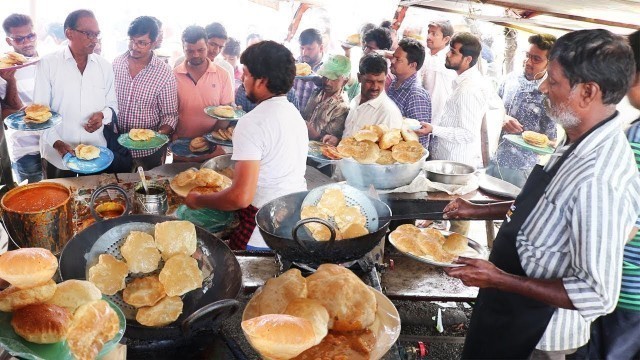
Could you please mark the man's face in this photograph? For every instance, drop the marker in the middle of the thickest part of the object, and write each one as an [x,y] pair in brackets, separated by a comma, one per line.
[83,39]
[140,47]
[455,58]
[215,46]
[435,39]
[400,64]
[372,85]
[23,40]
[311,53]
[634,92]
[331,87]
[370,47]
[535,63]
[560,97]
[195,54]
[231,59]
[249,83]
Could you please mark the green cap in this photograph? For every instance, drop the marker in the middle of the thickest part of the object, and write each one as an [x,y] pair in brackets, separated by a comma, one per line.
[335,66]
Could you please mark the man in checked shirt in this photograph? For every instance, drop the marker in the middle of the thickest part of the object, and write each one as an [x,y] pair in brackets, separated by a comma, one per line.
[146,90]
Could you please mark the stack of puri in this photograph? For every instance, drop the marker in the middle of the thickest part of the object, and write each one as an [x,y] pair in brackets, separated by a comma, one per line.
[376,144]
[333,207]
[45,312]
[429,243]
[203,181]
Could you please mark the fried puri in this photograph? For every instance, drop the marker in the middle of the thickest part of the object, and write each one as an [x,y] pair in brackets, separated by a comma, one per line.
[146,291]
[28,267]
[72,294]
[93,325]
[386,158]
[87,152]
[108,274]
[407,152]
[348,215]
[42,323]
[13,298]
[276,293]
[140,252]
[455,244]
[180,275]
[313,311]
[175,237]
[353,230]
[331,200]
[390,138]
[366,152]
[279,336]
[163,313]
[186,177]
[313,212]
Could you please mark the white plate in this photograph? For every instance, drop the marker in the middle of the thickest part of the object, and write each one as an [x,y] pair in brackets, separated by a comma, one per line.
[496,186]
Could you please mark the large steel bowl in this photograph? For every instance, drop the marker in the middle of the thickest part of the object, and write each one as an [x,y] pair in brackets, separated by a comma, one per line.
[380,176]
[219,163]
[448,172]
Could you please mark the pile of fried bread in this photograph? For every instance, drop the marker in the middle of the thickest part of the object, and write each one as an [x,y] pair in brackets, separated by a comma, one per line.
[37,114]
[199,145]
[376,144]
[141,134]
[87,152]
[332,206]
[12,58]
[204,181]
[45,312]
[223,134]
[290,314]
[224,111]
[429,243]
[535,139]
[303,69]
[155,296]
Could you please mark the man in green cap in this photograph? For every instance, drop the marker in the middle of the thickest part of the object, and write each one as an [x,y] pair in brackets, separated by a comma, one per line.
[327,109]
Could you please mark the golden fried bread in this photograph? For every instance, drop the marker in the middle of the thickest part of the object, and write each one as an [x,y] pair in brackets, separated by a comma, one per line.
[72,294]
[208,177]
[366,152]
[348,215]
[141,134]
[93,325]
[16,58]
[42,323]
[363,135]
[163,313]
[199,144]
[206,190]
[313,311]
[347,146]
[353,39]
[535,139]
[313,212]
[390,138]
[87,152]
[180,275]
[455,244]
[432,248]
[37,113]
[146,291]
[175,237]
[224,111]
[407,152]
[353,230]
[378,129]
[409,135]
[407,243]
[303,69]
[279,336]
[322,233]
[329,270]
[276,293]
[407,228]
[434,234]
[330,152]
[386,158]
[28,267]
[331,200]
[140,252]
[185,177]
[108,274]
[13,298]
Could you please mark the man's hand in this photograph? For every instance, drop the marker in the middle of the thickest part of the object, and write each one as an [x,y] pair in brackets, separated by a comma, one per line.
[8,75]
[63,148]
[330,139]
[511,125]
[477,272]
[165,129]
[192,200]
[426,129]
[460,208]
[95,122]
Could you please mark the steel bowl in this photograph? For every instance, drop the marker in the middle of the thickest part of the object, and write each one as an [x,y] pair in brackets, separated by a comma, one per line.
[380,176]
[219,163]
[448,172]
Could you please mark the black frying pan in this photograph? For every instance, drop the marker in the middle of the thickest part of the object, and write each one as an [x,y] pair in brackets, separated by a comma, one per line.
[203,308]
[280,225]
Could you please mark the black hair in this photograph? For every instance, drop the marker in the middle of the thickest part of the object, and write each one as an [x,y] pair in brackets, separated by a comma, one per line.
[72,19]
[596,56]
[543,41]
[386,24]
[254,36]
[372,64]
[15,20]
[415,51]
[272,61]
[158,22]
[309,36]
[232,47]
[216,30]
[143,25]
[470,45]
[444,25]
[192,34]
[634,42]
[381,36]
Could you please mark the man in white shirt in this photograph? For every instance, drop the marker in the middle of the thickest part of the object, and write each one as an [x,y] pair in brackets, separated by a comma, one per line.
[436,78]
[216,41]
[372,106]
[23,146]
[269,144]
[79,85]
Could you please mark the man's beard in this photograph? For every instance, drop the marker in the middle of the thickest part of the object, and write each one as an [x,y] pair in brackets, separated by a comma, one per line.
[562,114]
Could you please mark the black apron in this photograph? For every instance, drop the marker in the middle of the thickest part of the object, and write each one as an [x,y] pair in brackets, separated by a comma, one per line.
[505,325]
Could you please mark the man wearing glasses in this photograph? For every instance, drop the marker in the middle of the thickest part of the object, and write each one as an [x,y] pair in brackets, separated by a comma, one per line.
[146,89]
[525,110]
[79,85]
[216,41]
[16,91]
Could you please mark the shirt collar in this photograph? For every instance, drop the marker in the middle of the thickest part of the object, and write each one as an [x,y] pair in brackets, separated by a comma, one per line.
[467,74]
[407,84]
[69,56]
[375,103]
[182,68]
[597,137]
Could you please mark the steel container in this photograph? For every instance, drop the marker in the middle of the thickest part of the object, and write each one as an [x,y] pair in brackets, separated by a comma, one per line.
[380,176]
[153,203]
[448,172]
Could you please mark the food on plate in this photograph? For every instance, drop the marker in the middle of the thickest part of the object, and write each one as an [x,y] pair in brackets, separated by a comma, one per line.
[93,325]
[71,294]
[303,69]
[347,146]
[279,336]
[180,275]
[353,39]
[407,243]
[331,200]
[28,267]
[12,58]
[185,177]
[433,234]
[390,138]
[407,152]
[330,152]
[348,215]
[163,313]
[313,311]
[146,291]
[535,139]
[140,252]
[87,152]
[429,243]
[108,274]
[352,345]
[408,228]
[42,323]
[13,298]
[208,177]
[191,179]
[455,244]
[36,113]
[276,293]
[409,135]
[223,134]
[141,134]
[365,134]
[224,111]
[353,230]
[198,145]
[175,237]
[385,158]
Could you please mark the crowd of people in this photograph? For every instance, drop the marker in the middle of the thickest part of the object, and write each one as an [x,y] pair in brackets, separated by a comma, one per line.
[557,262]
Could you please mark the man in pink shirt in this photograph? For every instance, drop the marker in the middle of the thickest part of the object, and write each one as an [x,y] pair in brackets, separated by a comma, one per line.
[201,83]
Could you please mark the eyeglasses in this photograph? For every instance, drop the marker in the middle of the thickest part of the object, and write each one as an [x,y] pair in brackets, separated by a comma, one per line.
[139,43]
[535,59]
[90,34]
[21,39]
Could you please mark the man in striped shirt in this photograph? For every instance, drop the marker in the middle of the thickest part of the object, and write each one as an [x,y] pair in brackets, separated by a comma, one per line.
[146,90]
[570,235]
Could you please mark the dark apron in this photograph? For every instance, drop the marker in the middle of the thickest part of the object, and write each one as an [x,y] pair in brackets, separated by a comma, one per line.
[506,325]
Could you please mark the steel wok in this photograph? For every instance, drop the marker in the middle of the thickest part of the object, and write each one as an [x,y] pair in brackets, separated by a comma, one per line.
[280,226]
[204,308]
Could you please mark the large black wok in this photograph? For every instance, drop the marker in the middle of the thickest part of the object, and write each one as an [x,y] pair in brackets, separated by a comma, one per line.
[280,225]
[204,308]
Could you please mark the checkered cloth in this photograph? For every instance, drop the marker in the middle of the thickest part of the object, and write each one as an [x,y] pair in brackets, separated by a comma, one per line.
[240,237]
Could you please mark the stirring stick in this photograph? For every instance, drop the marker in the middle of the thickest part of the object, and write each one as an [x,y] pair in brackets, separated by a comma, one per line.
[144,181]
